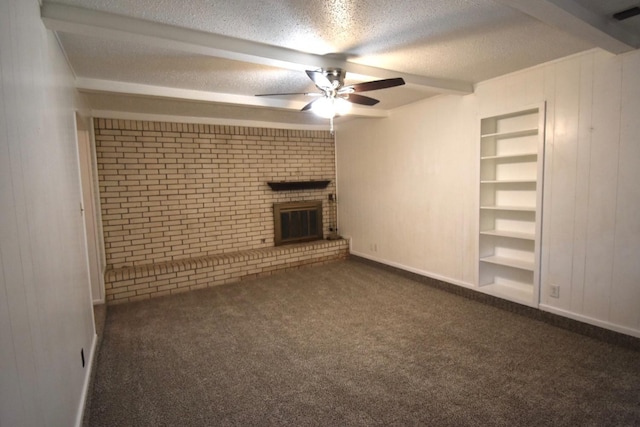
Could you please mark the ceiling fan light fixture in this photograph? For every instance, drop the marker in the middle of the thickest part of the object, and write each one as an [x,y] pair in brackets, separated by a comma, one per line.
[328,108]
[334,98]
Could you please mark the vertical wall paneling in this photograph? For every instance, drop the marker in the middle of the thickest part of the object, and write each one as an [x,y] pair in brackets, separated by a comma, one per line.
[411,194]
[45,307]
[13,227]
[562,167]
[590,243]
[625,287]
[469,228]
[581,195]
[548,88]
[16,361]
[603,180]
[10,400]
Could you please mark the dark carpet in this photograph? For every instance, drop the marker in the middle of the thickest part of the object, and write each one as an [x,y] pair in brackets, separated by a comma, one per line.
[350,344]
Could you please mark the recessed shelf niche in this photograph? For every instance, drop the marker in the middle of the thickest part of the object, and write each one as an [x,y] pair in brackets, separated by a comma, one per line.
[511,159]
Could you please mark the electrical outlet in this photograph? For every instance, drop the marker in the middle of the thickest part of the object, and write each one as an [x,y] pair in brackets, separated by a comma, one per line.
[554,291]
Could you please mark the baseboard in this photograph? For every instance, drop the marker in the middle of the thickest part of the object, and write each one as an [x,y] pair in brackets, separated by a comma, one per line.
[87,380]
[590,320]
[583,325]
[414,270]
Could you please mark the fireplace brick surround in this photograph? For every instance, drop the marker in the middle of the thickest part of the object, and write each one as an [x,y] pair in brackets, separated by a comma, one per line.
[186,206]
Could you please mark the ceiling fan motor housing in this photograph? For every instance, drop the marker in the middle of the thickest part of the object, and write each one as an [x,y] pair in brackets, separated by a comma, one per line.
[335,76]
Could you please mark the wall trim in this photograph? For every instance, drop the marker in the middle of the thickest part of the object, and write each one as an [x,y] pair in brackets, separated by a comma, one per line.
[590,320]
[414,270]
[123,115]
[87,380]
[602,331]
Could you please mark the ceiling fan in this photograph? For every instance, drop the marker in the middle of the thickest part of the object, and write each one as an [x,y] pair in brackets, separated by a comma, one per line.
[334,98]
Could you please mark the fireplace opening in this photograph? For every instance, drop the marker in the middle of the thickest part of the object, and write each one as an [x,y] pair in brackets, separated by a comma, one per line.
[296,222]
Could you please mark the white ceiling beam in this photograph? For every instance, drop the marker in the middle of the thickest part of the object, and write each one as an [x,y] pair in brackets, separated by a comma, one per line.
[110,86]
[571,17]
[93,23]
[128,115]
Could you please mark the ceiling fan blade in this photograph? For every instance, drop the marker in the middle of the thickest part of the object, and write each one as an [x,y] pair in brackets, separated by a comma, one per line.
[320,79]
[292,93]
[308,106]
[377,84]
[361,99]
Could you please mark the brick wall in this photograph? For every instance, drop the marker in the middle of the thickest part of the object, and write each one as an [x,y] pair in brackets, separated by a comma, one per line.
[172,191]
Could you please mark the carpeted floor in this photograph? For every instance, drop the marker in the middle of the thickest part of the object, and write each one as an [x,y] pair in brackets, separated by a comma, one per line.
[350,344]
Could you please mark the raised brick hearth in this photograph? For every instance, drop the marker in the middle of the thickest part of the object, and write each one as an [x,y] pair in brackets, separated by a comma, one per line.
[136,283]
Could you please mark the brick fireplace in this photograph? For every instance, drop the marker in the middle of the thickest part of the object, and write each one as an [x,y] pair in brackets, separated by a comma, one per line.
[175,192]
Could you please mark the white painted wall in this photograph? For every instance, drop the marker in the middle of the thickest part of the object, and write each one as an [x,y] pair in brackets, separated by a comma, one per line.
[404,193]
[46,316]
[408,190]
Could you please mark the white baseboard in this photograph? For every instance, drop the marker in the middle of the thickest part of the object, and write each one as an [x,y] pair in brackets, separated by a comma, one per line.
[414,270]
[590,320]
[87,381]
[560,312]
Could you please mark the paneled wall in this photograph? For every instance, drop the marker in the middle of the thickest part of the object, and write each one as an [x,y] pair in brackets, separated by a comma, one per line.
[46,317]
[172,191]
[406,188]
[421,166]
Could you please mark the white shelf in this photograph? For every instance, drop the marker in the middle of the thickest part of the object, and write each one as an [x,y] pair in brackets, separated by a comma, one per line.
[511,159]
[509,262]
[513,134]
[513,291]
[510,208]
[509,181]
[510,234]
[511,156]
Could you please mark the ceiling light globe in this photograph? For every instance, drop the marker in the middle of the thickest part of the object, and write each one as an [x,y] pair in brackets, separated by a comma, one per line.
[324,108]
[328,108]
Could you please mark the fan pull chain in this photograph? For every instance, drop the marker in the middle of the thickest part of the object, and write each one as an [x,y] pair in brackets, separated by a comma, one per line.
[331,129]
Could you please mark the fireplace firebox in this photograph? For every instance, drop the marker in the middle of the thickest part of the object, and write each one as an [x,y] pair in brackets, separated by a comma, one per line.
[296,222]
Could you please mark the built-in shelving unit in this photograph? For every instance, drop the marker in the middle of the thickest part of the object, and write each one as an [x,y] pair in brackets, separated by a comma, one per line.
[511,166]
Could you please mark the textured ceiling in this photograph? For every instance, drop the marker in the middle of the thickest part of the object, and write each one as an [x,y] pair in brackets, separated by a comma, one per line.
[456,42]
